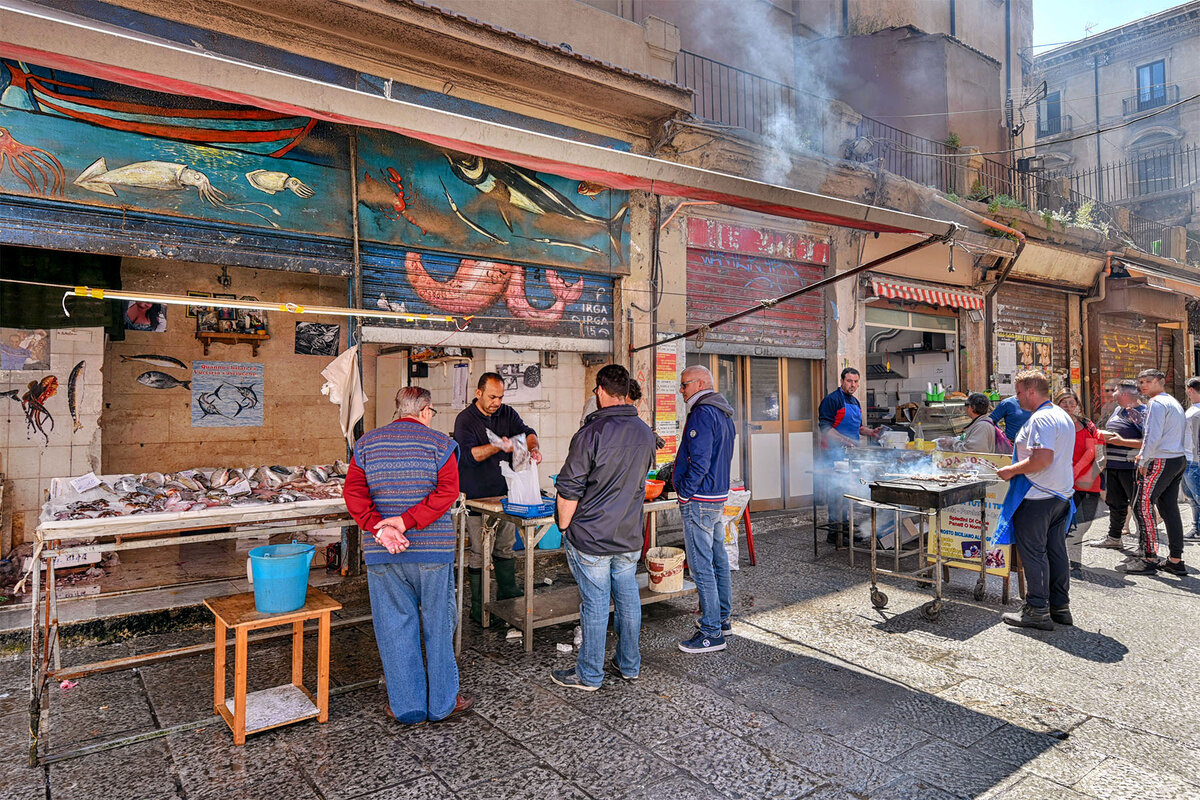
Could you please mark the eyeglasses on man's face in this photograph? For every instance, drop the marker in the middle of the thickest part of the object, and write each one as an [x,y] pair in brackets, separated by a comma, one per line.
[683,384]
[432,411]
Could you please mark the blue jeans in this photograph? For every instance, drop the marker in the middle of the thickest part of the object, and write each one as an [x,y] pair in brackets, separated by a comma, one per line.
[1191,488]
[406,598]
[601,577]
[704,540]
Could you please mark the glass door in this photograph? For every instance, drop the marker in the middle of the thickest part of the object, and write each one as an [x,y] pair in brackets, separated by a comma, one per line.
[798,424]
[764,386]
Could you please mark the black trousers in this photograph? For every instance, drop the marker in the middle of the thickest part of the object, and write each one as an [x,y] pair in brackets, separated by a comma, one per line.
[1040,531]
[1159,488]
[1120,491]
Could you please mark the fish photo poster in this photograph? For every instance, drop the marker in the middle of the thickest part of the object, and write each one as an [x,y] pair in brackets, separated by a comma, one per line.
[317,339]
[227,394]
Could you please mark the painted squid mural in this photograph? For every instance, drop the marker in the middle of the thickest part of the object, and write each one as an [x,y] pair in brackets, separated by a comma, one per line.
[479,284]
[494,294]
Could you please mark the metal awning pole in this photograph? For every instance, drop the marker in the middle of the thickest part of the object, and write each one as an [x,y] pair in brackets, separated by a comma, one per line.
[832,279]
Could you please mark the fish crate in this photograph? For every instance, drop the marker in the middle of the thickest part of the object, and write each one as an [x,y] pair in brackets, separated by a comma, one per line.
[526,511]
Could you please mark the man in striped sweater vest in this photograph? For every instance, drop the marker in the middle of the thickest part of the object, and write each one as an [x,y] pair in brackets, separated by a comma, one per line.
[402,481]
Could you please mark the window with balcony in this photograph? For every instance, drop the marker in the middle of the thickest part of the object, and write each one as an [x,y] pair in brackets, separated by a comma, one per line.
[1151,85]
[1154,172]
[1050,115]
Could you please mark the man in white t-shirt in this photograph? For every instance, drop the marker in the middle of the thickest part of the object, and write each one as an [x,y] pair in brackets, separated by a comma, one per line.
[1043,478]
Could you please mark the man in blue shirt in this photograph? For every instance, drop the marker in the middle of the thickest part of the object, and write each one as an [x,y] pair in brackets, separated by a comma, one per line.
[841,421]
[1010,414]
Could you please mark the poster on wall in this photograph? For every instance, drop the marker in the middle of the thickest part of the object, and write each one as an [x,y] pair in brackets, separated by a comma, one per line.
[522,382]
[317,339]
[1021,351]
[666,387]
[144,316]
[24,349]
[227,394]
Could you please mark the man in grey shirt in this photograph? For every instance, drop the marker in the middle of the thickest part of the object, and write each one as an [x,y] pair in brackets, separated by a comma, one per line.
[1161,462]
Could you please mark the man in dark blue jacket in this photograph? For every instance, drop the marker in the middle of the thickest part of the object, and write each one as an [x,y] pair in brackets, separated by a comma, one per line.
[701,480]
[601,488]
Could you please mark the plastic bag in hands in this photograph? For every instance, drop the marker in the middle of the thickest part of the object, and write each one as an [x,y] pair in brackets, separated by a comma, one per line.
[517,446]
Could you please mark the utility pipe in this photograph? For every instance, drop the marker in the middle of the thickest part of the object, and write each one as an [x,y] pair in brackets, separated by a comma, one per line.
[1086,314]
[686,203]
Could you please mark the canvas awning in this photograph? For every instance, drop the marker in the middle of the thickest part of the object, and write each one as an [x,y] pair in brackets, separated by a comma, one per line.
[60,40]
[927,293]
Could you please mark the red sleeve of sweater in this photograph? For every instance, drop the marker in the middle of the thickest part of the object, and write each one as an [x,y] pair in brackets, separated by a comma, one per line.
[439,500]
[358,498]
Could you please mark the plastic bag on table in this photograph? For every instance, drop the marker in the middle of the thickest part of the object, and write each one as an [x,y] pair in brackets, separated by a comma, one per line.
[522,484]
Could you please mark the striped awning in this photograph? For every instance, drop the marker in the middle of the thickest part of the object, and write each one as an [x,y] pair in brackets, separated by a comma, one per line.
[923,293]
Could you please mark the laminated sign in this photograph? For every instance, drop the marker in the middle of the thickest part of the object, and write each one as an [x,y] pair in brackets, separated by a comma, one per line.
[958,534]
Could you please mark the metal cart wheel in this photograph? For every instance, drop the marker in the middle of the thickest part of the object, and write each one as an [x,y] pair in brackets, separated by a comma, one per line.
[931,610]
[878,599]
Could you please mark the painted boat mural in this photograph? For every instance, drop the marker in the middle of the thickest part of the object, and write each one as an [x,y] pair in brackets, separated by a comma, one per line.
[508,242]
[252,130]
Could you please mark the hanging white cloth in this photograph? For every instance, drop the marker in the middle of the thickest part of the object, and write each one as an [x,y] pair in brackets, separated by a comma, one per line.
[343,386]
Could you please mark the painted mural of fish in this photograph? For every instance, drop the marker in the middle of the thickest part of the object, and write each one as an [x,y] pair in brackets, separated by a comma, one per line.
[75,393]
[156,360]
[161,380]
[523,189]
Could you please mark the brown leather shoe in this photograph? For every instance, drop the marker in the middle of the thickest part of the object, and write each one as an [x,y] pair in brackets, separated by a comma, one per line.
[464,702]
[392,716]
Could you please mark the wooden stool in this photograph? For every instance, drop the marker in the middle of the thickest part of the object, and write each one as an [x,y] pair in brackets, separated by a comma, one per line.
[280,705]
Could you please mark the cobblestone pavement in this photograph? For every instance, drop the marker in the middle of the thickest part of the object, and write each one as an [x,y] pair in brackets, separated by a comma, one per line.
[818,695]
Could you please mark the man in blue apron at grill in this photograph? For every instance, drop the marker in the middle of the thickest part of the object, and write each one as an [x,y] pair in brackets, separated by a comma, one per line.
[1038,508]
[840,419]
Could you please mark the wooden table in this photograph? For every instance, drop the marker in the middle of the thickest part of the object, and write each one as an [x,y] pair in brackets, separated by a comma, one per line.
[559,605]
[279,705]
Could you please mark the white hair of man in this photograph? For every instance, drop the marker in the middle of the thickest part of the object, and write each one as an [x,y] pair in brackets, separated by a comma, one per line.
[411,400]
[699,373]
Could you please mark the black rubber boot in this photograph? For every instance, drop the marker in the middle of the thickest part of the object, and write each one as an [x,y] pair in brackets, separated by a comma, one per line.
[1030,617]
[1062,615]
[475,576]
[506,579]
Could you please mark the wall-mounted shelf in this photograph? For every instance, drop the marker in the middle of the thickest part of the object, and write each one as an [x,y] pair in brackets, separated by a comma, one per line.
[252,339]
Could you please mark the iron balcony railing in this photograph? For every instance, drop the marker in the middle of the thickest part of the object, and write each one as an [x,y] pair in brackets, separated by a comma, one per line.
[731,96]
[921,160]
[1149,98]
[1054,125]
[1149,173]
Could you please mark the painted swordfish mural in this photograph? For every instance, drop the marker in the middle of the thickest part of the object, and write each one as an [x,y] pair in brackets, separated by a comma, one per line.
[423,196]
[82,140]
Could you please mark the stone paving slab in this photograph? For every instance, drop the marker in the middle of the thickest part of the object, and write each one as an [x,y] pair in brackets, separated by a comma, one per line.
[818,696]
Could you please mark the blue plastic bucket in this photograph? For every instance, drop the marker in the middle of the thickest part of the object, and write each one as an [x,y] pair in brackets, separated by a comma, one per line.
[280,576]
[552,540]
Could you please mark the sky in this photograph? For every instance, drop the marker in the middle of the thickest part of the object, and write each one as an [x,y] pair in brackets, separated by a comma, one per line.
[1059,21]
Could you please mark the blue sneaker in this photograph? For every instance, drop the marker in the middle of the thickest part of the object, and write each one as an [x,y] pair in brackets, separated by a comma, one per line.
[570,679]
[703,644]
[726,627]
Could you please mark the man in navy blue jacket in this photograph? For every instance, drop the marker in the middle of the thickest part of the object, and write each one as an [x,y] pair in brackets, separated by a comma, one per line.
[701,480]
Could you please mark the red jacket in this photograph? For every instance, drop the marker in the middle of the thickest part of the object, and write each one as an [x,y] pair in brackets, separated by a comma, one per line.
[1086,439]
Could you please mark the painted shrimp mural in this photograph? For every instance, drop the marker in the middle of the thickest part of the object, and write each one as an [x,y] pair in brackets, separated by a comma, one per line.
[476,285]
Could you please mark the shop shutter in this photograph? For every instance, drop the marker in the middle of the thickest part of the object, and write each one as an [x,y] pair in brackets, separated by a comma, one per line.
[489,298]
[722,283]
[1126,348]
[1039,311]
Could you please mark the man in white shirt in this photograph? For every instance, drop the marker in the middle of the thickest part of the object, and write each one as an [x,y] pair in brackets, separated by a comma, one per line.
[1191,475]
[1161,463]
[1042,482]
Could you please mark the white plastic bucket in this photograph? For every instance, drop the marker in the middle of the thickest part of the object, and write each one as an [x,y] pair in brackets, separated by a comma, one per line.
[665,565]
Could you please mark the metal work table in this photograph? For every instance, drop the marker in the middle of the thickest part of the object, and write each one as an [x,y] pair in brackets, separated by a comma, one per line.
[55,538]
[560,605]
